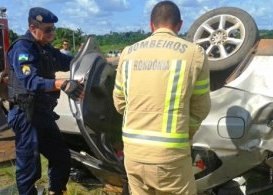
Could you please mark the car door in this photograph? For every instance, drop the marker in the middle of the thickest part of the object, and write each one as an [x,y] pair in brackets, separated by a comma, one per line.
[95,113]
[98,121]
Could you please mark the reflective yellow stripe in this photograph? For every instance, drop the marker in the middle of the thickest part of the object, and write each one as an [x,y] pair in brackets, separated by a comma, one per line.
[178,96]
[118,92]
[118,89]
[126,71]
[168,97]
[201,87]
[202,82]
[125,76]
[156,133]
[156,143]
[118,85]
[168,140]
[173,94]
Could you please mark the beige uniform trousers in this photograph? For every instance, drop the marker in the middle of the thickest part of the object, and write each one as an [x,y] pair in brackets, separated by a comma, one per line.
[173,178]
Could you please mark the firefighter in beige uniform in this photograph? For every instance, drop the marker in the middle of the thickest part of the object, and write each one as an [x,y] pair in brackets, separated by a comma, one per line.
[162,89]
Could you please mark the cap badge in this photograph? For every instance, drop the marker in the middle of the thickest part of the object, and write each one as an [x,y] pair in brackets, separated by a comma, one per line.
[39,18]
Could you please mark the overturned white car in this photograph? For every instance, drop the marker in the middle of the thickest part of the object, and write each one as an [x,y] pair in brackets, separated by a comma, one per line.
[233,148]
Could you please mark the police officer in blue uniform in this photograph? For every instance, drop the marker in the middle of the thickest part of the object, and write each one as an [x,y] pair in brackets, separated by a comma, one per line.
[33,93]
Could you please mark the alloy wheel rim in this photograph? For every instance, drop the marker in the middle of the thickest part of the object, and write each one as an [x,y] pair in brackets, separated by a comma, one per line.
[221,36]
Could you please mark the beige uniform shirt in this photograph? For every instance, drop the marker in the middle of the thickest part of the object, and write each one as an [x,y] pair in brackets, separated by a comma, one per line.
[162,89]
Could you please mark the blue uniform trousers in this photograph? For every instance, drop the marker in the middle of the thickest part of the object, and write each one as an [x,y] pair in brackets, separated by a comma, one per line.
[43,136]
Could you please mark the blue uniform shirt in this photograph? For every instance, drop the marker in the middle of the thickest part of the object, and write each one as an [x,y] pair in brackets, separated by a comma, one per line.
[24,57]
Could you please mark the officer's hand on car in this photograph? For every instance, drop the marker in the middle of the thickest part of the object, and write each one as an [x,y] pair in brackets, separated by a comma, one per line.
[73,88]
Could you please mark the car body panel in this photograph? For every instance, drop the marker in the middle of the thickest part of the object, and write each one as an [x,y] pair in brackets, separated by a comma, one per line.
[249,99]
[67,122]
[257,78]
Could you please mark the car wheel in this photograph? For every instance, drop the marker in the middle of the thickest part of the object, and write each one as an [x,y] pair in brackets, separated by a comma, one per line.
[227,34]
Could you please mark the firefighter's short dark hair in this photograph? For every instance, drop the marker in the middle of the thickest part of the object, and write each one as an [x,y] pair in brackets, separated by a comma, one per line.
[165,12]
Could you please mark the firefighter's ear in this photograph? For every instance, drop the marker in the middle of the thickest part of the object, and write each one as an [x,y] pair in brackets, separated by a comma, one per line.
[178,26]
[152,26]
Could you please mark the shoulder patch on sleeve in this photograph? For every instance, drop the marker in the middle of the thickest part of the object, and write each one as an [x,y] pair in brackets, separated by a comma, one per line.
[26,69]
[23,57]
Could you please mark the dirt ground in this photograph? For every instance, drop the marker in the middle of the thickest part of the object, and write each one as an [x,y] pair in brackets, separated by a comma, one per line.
[7,147]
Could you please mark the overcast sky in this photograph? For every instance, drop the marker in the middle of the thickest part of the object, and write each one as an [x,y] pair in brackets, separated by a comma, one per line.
[103,16]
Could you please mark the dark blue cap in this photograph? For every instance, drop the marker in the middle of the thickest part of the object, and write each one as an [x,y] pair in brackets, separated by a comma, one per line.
[42,15]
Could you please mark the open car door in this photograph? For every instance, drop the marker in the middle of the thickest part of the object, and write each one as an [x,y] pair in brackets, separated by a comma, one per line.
[98,121]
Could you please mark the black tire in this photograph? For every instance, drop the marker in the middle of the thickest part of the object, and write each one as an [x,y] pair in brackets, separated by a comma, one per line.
[225,46]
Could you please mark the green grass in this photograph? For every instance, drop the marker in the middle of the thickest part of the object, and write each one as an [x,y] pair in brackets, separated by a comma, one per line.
[7,174]
[106,48]
[7,178]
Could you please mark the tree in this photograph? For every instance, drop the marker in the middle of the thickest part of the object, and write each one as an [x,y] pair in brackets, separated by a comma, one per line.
[12,36]
[75,38]
[266,34]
